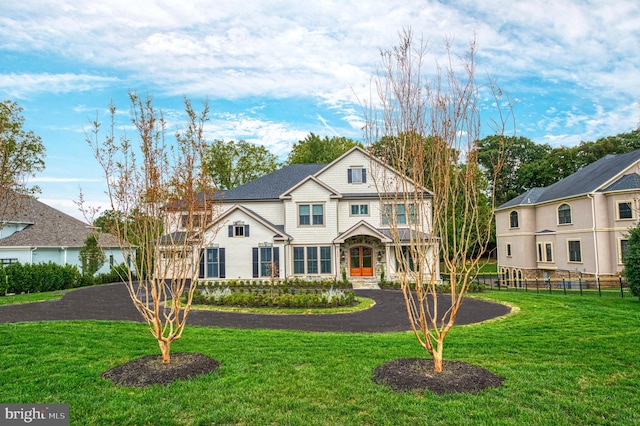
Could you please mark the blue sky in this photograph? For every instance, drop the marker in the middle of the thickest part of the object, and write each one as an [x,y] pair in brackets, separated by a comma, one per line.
[273,71]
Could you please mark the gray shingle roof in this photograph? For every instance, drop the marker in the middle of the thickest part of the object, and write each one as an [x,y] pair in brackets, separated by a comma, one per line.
[49,228]
[272,185]
[586,180]
[630,181]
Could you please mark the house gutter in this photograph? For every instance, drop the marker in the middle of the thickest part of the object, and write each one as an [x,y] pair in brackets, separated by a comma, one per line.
[593,231]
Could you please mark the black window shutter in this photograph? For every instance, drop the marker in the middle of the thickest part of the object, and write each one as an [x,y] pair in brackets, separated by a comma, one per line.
[223,272]
[364,175]
[276,258]
[349,178]
[255,262]
[246,230]
[202,256]
[230,231]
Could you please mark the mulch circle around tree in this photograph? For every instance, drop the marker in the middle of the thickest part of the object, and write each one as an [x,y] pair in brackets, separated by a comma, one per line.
[149,370]
[416,374]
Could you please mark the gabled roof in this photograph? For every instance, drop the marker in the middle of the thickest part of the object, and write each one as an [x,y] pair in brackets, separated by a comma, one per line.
[525,199]
[625,183]
[587,180]
[278,230]
[49,228]
[361,228]
[333,192]
[271,185]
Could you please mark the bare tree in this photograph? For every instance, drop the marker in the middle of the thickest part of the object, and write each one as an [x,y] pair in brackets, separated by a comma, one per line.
[428,129]
[163,194]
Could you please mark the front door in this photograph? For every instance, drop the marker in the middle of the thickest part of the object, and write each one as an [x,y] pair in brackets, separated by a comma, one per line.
[361,261]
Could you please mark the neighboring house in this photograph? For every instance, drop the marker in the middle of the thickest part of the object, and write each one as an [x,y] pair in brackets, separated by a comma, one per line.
[309,221]
[33,232]
[577,226]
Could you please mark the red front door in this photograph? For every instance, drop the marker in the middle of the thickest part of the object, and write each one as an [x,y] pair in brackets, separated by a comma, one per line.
[361,261]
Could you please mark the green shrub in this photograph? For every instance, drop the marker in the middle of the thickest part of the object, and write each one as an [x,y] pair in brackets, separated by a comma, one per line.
[38,277]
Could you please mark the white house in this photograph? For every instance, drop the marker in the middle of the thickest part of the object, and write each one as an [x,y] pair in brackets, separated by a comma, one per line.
[310,221]
[577,226]
[34,232]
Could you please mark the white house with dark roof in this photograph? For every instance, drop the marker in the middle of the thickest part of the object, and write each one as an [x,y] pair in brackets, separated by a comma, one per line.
[34,232]
[309,221]
[577,225]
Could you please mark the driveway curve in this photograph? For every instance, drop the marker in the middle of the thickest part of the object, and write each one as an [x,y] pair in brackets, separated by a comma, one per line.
[112,302]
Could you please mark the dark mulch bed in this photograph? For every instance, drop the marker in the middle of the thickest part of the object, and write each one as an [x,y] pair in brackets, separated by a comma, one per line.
[149,370]
[416,374]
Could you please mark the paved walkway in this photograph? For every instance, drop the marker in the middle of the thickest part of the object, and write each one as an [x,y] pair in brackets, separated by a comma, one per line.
[112,302]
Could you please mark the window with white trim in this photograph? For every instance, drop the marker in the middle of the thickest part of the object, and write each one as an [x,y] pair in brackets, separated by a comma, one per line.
[401,213]
[359,210]
[311,215]
[312,260]
[623,246]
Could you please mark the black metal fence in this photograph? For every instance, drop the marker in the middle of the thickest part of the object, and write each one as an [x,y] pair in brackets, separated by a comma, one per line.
[577,285]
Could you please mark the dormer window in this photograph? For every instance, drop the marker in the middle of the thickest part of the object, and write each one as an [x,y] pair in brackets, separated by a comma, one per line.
[357,175]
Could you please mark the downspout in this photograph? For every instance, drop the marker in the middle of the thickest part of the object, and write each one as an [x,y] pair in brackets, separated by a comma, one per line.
[593,232]
[64,249]
[32,251]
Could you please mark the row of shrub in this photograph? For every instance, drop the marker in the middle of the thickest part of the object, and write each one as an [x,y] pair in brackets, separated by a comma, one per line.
[444,287]
[18,278]
[282,298]
[276,284]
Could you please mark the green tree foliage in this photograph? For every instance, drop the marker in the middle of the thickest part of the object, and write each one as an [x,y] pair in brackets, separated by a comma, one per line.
[316,150]
[21,156]
[92,256]
[529,165]
[515,153]
[232,163]
[632,261]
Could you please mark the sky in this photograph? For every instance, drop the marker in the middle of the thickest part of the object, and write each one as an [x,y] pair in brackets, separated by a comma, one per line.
[275,71]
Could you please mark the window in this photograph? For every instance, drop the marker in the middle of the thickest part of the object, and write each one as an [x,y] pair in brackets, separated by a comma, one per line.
[402,214]
[622,250]
[359,209]
[357,175]
[508,249]
[513,220]
[624,210]
[312,260]
[406,258]
[564,214]
[545,252]
[8,261]
[548,248]
[266,261]
[197,220]
[310,214]
[212,263]
[238,230]
[575,250]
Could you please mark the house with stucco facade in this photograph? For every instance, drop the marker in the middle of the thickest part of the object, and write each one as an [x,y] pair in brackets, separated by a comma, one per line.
[575,227]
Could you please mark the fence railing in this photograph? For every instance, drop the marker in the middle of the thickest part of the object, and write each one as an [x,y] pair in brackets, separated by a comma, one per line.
[577,285]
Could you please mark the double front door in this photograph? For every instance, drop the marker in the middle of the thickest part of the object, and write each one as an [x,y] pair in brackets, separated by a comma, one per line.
[361,261]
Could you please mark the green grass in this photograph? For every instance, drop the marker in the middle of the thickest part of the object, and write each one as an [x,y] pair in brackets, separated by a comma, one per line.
[567,361]
[31,297]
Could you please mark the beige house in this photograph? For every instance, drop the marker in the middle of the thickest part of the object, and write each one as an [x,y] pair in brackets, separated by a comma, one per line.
[575,227]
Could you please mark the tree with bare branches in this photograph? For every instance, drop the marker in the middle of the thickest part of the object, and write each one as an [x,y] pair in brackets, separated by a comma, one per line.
[430,125]
[164,196]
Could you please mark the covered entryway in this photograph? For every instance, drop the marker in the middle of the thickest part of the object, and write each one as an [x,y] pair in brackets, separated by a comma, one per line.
[361,261]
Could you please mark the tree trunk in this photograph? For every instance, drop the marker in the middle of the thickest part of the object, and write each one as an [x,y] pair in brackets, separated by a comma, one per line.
[165,349]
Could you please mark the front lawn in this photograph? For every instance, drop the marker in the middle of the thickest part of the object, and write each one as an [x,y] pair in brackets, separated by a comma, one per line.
[566,361]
